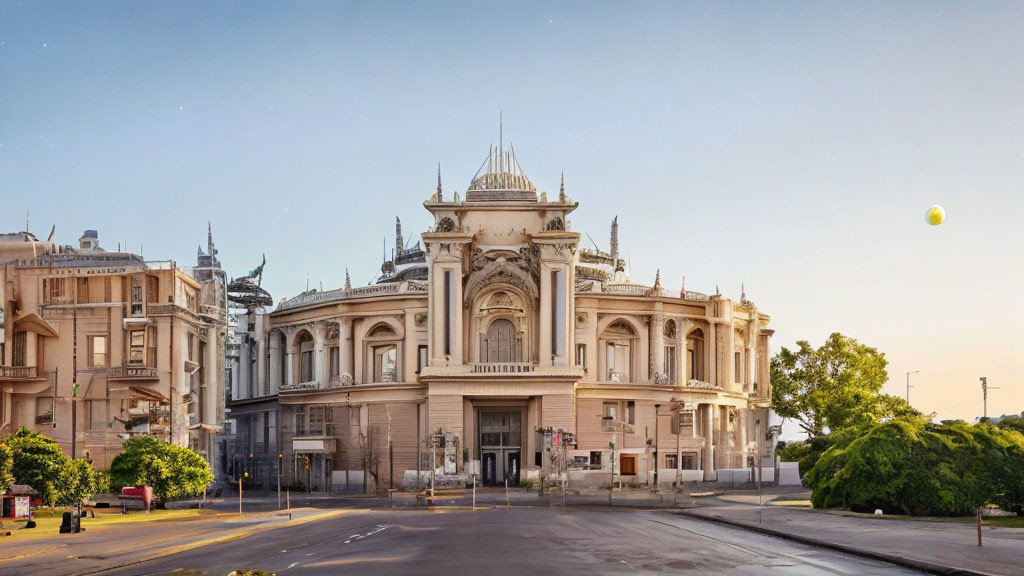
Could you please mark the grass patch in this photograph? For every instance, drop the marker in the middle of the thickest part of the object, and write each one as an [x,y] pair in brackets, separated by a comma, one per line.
[48,521]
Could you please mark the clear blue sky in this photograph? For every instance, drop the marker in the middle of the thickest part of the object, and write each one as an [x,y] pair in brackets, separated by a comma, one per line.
[791,146]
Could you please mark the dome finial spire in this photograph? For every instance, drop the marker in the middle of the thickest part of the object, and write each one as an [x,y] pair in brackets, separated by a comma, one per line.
[561,189]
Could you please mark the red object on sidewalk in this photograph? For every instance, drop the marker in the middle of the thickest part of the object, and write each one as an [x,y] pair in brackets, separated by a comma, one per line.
[145,492]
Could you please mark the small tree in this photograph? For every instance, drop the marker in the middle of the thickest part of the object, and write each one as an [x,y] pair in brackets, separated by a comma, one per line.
[173,471]
[38,462]
[77,482]
[6,464]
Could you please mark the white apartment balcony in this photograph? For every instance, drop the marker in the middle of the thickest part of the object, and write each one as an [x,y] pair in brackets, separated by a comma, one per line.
[133,373]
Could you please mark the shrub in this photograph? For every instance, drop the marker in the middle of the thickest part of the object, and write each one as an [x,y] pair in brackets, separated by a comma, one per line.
[910,467]
[38,462]
[173,471]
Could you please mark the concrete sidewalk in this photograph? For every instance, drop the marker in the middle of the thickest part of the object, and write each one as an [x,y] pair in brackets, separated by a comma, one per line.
[932,546]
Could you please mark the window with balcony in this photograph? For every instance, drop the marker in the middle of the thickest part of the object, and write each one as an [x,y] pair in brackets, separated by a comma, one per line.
[136,347]
[619,340]
[695,354]
[669,369]
[737,367]
[98,351]
[18,351]
[306,366]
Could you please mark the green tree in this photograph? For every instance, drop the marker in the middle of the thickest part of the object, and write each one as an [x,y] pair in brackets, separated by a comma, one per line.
[78,482]
[38,462]
[6,464]
[832,386]
[172,471]
[910,467]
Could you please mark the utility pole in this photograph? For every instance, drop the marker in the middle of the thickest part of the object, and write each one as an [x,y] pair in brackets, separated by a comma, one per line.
[611,485]
[984,395]
[280,459]
[657,421]
[908,384]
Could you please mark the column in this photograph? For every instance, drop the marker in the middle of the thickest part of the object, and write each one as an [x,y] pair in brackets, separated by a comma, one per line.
[656,331]
[546,306]
[560,321]
[319,357]
[262,386]
[708,454]
[711,343]
[345,346]
[455,312]
[274,384]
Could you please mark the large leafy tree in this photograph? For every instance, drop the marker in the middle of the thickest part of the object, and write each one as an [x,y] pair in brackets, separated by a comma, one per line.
[172,471]
[38,462]
[832,386]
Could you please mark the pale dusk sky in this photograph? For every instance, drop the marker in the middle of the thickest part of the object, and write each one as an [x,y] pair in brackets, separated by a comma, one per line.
[790,147]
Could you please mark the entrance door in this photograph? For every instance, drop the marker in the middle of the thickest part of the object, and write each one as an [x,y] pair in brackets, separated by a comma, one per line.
[500,446]
[512,470]
[490,461]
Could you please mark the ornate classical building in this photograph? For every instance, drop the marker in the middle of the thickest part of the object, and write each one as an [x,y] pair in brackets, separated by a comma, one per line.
[99,346]
[499,347]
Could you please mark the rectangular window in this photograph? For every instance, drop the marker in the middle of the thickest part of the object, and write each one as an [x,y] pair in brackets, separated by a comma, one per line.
[448,312]
[107,289]
[737,367]
[581,356]
[671,461]
[83,290]
[97,350]
[627,465]
[670,363]
[385,363]
[300,420]
[595,460]
[630,412]
[689,461]
[306,366]
[152,289]
[316,420]
[151,346]
[683,422]
[611,411]
[335,353]
[53,290]
[137,309]
[421,357]
[136,346]
[191,344]
[20,345]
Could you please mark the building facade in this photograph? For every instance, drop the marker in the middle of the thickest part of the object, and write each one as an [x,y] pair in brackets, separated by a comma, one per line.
[97,347]
[501,350]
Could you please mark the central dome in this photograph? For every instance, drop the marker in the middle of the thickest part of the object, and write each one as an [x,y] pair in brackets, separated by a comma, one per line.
[501,179]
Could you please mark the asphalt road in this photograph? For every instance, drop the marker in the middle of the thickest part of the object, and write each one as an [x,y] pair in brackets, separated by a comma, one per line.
[517,540]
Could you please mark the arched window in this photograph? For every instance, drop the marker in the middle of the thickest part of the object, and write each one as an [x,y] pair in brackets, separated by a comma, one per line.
[695,354]
[618,340]
[500,343]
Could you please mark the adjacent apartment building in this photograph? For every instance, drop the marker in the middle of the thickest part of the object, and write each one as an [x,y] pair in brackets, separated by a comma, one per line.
[500,349]
[100,346]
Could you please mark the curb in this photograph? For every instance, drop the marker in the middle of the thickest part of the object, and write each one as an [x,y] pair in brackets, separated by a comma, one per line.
[921,565]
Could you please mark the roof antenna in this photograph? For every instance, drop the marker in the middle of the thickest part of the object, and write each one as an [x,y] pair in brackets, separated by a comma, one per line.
[26,220]
[501,147]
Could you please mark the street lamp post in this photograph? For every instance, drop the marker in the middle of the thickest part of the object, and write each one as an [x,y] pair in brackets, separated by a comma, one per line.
[280,460]
[908,383]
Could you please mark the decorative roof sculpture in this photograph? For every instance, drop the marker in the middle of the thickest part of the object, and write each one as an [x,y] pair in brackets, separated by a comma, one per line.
[500,178]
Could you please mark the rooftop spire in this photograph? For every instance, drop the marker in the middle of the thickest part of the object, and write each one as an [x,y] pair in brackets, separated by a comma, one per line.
[399,244]
[615,239]
[438,196]
[561,189]
[348,280]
